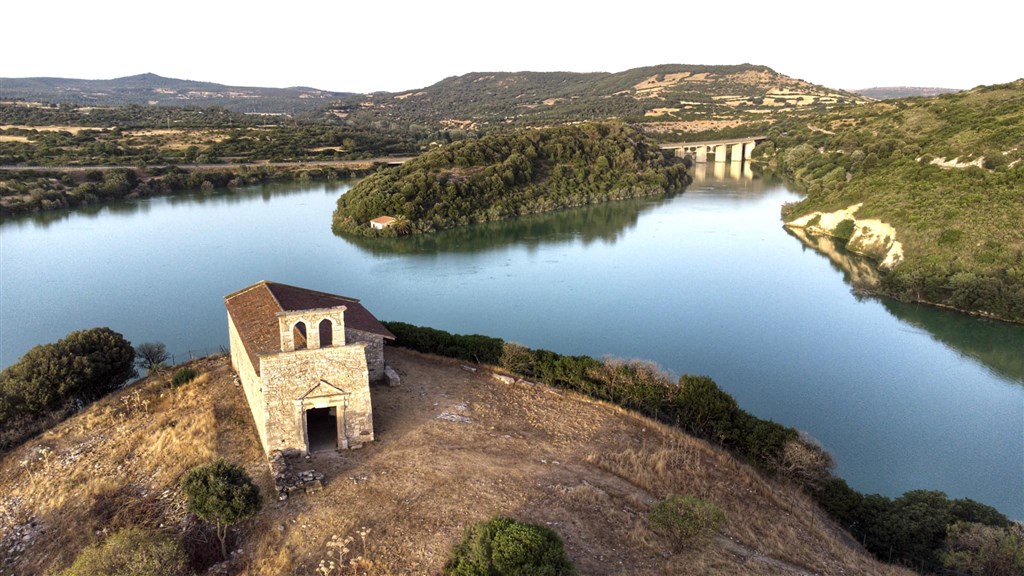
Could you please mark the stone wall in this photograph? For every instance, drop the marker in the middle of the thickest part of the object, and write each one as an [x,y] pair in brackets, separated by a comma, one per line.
[374,351]
[251,383]
[311,319]
[294,382]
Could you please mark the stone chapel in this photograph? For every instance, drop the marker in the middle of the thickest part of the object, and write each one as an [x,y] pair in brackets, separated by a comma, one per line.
[306,360]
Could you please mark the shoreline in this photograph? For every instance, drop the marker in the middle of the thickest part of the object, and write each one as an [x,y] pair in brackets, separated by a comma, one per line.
[70,187]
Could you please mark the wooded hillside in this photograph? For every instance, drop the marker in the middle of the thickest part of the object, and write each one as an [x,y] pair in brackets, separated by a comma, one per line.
[506,175]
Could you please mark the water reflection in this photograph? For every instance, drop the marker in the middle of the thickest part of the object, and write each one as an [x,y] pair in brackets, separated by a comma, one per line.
[141,206]
[996,345]
[858,271]
[606,222]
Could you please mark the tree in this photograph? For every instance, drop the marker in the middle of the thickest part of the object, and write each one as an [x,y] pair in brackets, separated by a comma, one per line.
[131,552]
[81,367]
[503,547]
[222,494]
[973,548]
[151,355]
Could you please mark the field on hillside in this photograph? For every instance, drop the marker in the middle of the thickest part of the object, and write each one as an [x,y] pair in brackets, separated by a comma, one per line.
[453,447]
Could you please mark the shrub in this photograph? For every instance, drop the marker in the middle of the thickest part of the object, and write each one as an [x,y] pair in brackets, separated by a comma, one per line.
[844,230]
[471,347]
[131,552]
[222,494]
[501,546]
[976,549]
[706,411]
[686,519]
[79,368]
[183,376]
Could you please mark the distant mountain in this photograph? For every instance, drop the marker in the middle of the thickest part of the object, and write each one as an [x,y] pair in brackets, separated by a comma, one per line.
[892,92]
[151,89]
[685,96]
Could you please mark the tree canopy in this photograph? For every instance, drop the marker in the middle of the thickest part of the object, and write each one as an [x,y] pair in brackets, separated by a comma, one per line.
[509,174]
[221,493]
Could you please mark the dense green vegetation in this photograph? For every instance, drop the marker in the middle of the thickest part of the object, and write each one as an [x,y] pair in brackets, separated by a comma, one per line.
[140,136]
[960,226]
[505,175]
[51,381]
[921,529]
[504,547]
[33,191]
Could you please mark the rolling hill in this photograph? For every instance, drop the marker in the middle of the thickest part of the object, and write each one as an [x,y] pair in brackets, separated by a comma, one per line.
[151,89]
[893,92]
[666,97]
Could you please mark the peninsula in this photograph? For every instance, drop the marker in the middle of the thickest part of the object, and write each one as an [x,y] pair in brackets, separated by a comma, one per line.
[505,175]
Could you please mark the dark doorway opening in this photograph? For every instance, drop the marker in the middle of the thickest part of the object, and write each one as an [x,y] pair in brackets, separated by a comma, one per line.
[322,428]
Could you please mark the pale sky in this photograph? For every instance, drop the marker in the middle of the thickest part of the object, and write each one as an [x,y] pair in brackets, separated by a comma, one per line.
[366,46]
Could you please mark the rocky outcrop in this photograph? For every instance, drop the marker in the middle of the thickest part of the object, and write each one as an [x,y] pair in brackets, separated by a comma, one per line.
[867,237]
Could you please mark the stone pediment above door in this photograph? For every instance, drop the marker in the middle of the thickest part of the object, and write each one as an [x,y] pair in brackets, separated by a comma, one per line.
[323,390]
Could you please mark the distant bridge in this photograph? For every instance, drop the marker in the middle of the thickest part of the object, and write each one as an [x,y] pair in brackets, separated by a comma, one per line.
[736,149]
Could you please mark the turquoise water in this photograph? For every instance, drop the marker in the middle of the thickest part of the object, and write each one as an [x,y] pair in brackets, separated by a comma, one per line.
[705,282]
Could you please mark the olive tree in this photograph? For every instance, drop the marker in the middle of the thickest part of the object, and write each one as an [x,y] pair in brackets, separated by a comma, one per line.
[221,494]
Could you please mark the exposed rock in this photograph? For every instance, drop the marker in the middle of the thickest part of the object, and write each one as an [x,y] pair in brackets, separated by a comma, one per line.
[391,375]
[503,378]
[872,238]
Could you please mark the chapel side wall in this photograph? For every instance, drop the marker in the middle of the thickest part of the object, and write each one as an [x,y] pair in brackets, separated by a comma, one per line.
[251,383]
[290,375]
[374,351]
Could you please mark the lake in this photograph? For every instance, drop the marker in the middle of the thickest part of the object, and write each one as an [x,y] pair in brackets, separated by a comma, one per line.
[706,282]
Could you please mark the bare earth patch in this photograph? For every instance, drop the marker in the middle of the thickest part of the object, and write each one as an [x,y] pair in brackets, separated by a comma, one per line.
[453,447]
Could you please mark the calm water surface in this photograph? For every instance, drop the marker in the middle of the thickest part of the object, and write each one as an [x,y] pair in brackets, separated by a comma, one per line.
[705,282]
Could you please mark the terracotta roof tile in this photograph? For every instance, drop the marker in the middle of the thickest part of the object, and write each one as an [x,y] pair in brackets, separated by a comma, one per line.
[254,311]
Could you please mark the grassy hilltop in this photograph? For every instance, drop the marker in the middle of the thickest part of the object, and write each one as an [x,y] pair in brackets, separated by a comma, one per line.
[453,447]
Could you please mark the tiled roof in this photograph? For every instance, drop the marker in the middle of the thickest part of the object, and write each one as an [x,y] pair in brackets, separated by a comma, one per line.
[383,219]
[254,311]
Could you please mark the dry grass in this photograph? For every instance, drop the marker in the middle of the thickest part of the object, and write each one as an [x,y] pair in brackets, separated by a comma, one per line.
[588,470]
[71,129]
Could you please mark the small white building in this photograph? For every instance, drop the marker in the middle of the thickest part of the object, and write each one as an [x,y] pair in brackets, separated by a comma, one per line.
[382,222]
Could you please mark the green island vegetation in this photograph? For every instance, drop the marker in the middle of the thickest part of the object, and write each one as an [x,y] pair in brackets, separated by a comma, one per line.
[52,381]
[924,530]
[509,174]
[946,172]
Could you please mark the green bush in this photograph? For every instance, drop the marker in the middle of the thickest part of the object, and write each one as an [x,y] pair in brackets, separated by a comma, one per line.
[131,552]
[183,376]
[686,519]
[222,494]
[503,547]
[844,230]
[52,380]
[977,550]
[471,347]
